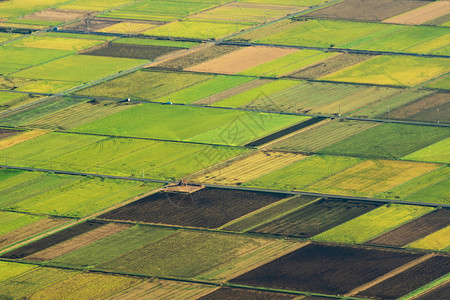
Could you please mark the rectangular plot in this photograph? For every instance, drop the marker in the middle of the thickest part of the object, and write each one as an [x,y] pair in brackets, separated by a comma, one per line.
[414,230]
[316,218]
[53,239]
[326,269]
[439,293]
[436,152]
[208,207]
[439,240]
[11,270]
[130,51]
[422,14]
[409,280]
[6,133]
[232,293]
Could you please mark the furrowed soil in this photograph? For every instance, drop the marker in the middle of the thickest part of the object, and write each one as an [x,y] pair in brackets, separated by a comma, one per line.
[130,51]
[410,279]
[414,230]
[423,14]
[316,218]
[366,10]
[241,60]
[53,239]
[440,293]
[231,294]
[197,57]
[331,65]
[78,242]
[326,268]
[208,207]
[424,109]
[6,133]
[30,230]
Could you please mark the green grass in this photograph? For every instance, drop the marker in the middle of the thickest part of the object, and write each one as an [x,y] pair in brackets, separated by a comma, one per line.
[183,254]
[304,172]
[18,8]
[7,36]
[437,152]
[261,93]
[113,246]
[188,123]
[388,141]
[436,193]
[393,70]
[205,89]
[13,59]
[10,269]
[145,85]
[373,223]
[79,36]
[442,83]
[53,42]
[80,68]
[150,42]
[288,63]
[196,29]
[8,173]
[159,160]
[10,221]
[63,195]
[96,5]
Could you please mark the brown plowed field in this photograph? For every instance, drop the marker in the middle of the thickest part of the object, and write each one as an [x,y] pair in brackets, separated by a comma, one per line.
[130,51]
[415,230]
[410,279]
[233,91]
[330,65]
[439,293]
[423,14]
[326,269]
[208,207]
[53,239]
[197,57]
[366,10]
[6,133]
[232,294]
[78,242]
[424,109]
[30,230]
[241,60]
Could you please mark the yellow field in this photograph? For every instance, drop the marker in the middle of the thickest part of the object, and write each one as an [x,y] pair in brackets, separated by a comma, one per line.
[58,43]
[127,27]
[437,241]
[249,168]
[371,177]
[17,139]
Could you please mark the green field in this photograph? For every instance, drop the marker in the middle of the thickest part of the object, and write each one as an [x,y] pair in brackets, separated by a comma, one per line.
[18,8]
[435,193]
[389,141]
[10,221]
[188,123]
[145,85]
[7,36]
[11,100]
[10,270]
[113,246]
[205,89]
[161,43]
[437,152]
[439,240]
[442,83]
[304,172]
[79,68]
[66,195]
[57,43]
[373,223]
[392,70]
[110,156]
[288,63]
[96,5]
[183,254]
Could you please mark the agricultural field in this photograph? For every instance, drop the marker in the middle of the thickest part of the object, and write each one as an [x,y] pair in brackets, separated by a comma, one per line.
[65,195]
[373,223]
[57,43]
[6,133]
[442,83]
[422,14]
[414,230]
[438,240]
[314,218]
[127,27]
[230,293]
[389,141]
[433,153]
[207,207]
[10,100]
[326,268]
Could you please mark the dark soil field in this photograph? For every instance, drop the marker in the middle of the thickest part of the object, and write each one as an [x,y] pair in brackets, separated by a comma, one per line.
[6,133]
[415,230]
[410,279]
[439,293]
[284,132]
[197,57]
[326,269]
[53,239]
[367,10]
[130,51]
[232,294]
[316,218]
[208,207]
[424,109]
[331,65]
